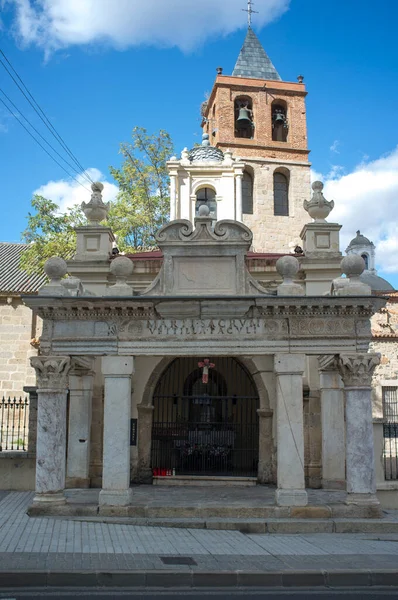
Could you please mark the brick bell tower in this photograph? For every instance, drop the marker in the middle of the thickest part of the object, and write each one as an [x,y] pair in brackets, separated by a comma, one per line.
[262,120]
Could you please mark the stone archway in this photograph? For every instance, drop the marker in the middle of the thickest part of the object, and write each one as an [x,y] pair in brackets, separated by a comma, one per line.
[145,419]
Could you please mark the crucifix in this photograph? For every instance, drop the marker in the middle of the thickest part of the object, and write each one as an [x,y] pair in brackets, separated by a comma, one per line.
[205,365]
[249,11]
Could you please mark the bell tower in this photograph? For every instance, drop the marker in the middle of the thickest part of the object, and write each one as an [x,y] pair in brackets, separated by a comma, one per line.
[262,120]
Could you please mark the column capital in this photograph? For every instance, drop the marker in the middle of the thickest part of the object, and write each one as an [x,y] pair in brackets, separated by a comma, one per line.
[356,370]
[327,362]
[51,372]
[81,365]
[289,364]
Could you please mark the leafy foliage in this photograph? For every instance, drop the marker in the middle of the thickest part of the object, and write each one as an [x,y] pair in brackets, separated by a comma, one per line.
[141,207]
[143,201]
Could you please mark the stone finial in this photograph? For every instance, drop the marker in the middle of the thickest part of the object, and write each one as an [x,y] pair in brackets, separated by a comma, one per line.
[95,210]
[185,155]
[353,266]
[287,267]
[318,207]
[205,140]
[55,268]
[122,268]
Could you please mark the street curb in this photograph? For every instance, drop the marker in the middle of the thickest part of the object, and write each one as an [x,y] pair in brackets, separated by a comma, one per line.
[198,579]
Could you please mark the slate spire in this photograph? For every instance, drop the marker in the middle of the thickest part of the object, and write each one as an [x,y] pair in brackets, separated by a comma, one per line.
[253,61]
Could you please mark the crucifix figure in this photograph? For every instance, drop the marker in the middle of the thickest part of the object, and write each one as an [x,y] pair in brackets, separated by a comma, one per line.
[249,11]
[205,365]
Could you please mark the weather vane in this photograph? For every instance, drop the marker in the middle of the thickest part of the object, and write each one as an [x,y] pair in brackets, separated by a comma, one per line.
[249,11]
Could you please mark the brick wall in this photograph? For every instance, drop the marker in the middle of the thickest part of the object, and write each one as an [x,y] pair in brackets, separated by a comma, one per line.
[17,329]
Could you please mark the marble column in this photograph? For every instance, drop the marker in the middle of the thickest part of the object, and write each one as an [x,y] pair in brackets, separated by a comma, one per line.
[265,445]
[333,424]
[52,383]
[117,371]
[79,426]
[239,180]
[145,418]
[289,370]
[356,371]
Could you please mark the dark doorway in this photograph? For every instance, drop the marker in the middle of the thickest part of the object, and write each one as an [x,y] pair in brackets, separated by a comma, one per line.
[205,419]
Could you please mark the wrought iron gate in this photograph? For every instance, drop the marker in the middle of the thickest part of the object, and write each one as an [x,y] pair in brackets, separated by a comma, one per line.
[390,430]
[205,419]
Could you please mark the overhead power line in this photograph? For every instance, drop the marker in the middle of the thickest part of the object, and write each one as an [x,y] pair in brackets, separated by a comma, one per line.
[41,145]
[29,97]
[41,136]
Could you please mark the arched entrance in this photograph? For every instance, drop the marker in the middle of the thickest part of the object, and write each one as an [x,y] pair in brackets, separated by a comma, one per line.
[205,419]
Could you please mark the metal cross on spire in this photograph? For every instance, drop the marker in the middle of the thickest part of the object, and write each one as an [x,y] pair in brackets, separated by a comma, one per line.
[249,11]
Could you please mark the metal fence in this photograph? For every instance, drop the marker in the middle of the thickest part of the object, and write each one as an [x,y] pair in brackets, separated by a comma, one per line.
[14,421]
[390,430]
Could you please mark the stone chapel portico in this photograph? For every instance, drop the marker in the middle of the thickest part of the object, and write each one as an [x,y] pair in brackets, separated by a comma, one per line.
[203,302]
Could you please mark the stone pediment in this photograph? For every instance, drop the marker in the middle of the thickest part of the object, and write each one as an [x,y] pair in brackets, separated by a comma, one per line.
[204,260]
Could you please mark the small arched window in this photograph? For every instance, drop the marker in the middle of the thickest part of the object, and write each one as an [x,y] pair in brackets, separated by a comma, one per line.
[279,121]
[244,123]
[247,194]
[281,195]
[366,260]
[206,196]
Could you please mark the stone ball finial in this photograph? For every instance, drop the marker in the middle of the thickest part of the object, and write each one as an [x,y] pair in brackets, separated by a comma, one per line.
[97,186]
[55,268]
[204,210]
[352,265]
[318,207]
[287,267]
[121,267]
[205,139]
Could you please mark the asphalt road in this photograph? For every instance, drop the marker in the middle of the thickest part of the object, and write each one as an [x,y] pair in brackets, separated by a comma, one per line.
[242,594]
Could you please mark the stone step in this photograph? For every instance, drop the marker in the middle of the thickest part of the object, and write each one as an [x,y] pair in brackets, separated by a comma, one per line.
[205,481]
[276,526]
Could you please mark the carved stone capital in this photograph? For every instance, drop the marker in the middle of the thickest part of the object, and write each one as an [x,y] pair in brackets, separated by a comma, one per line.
[51,372]
[327,362]
[356,370]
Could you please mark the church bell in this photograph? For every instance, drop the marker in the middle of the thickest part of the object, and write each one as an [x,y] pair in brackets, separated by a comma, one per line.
[243,119]
[279,118]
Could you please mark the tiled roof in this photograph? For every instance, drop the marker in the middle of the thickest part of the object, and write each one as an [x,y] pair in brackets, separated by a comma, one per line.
[253,61]
[12,278]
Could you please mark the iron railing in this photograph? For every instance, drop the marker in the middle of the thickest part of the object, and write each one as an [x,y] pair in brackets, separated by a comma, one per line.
[390,430]
[14,421]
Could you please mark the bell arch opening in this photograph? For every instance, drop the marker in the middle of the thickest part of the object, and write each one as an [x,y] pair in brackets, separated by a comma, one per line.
[205,419]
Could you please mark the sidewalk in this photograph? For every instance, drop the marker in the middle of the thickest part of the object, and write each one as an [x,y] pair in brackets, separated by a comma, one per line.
[54,551]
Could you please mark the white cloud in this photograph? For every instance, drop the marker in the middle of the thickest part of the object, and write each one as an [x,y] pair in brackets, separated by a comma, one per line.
[367,199]
[334,147]
[67,192]
[55,24]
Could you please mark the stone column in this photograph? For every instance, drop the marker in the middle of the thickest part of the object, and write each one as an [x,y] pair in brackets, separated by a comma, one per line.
[289,369]
[356,371]
[80,409]
[117,371]
[32,426]
[333,425]
[52,383]
[173,197]
[239,179]
[265,445]
[145,418]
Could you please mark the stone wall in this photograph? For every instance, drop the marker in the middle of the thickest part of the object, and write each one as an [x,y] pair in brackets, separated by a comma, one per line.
[17,471]
[17,328]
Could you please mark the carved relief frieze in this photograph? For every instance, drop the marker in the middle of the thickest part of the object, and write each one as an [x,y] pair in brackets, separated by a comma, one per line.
[328,327]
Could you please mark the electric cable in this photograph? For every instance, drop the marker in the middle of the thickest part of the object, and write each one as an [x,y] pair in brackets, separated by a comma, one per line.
[36,107]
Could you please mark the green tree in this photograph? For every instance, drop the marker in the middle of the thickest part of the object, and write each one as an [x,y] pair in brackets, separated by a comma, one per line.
[141,207]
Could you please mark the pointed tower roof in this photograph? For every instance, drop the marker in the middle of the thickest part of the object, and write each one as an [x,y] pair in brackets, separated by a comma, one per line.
[253,61]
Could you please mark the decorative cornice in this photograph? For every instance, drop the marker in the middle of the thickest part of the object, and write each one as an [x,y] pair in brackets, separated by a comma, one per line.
[51,372]
[356,370]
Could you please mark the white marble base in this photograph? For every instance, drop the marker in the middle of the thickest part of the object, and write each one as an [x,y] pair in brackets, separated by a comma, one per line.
[115,497]
[291,497]
[362,499]
[57,498]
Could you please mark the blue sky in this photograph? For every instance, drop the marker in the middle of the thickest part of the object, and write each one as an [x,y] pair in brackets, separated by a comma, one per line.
[122,64]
